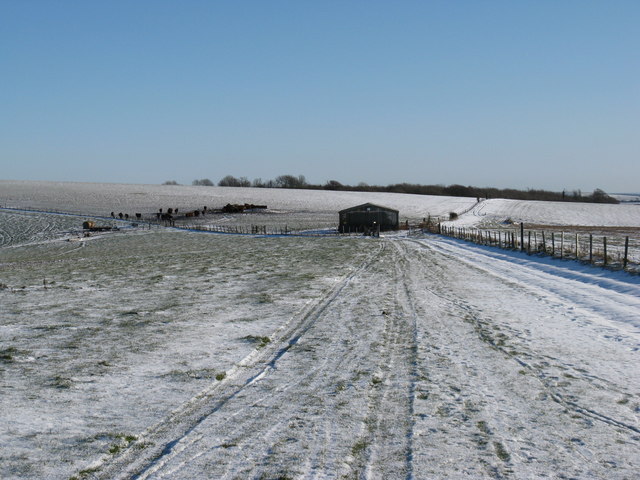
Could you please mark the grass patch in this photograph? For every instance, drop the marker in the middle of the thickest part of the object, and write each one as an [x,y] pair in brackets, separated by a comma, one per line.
[483,427]
[7,355]
[501,452]
[264,298]
[61,383]
[359,447]
[260,341]
[85,473]
[221,376]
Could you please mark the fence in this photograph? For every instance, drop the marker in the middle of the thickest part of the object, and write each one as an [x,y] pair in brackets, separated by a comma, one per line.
[259,230]
[613,252]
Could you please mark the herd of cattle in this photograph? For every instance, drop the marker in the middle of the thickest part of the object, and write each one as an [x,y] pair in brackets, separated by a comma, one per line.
[169,216]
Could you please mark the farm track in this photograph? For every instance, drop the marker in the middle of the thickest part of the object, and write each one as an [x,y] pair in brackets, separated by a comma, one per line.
[349,359]
[161,449]
[388,432]
[528,360]
[393,366]
[408,367]
[561,386]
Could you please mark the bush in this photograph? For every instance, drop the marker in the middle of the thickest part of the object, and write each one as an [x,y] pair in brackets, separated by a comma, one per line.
[453,216]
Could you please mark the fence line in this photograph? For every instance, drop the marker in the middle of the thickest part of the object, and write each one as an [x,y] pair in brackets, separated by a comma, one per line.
[613,252]
[263,230]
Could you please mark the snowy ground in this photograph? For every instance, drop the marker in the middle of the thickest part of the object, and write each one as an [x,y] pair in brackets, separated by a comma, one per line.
[169,354]
[284,205]
[494,212]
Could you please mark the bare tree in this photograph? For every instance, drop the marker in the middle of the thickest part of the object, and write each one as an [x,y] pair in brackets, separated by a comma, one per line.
[203,182]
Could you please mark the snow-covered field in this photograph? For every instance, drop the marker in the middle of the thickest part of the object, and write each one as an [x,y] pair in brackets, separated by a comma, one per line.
[494,212]
[103,198]
[171,354]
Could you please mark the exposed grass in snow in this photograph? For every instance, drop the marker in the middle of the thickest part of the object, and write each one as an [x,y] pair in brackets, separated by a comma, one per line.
[182,355]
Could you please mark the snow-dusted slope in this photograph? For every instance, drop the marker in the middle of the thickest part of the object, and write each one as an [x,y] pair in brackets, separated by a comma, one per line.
[171,354]
[463,363]
[103,198]
[489,213]
[181,355]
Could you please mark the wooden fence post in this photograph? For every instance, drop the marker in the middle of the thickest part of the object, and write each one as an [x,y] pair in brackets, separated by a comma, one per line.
[626,253]
[544,243]
[604,244]
[553,244]
[561,245]
[529,243]
[590,248]
[521,236]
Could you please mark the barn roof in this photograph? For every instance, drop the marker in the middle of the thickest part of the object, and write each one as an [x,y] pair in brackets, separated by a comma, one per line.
[365,205]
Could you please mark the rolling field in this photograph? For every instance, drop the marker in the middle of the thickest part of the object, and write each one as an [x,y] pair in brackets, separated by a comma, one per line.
[171,354]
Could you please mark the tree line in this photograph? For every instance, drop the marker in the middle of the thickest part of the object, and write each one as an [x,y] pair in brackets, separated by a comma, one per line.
[455,190]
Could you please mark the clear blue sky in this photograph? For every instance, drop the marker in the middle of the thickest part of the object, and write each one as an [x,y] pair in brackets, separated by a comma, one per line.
[539,94]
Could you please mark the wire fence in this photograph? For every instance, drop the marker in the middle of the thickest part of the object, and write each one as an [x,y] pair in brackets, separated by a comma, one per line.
[609,251]
[262,230]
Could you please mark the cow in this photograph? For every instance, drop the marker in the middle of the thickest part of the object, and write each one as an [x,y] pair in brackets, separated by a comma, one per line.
[168,219]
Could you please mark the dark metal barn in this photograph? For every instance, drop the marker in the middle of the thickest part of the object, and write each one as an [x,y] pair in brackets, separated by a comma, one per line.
[368,218]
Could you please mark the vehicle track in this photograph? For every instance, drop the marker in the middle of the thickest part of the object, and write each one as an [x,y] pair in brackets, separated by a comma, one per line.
[526,361]
[154,448]
[575,392]
[388,432]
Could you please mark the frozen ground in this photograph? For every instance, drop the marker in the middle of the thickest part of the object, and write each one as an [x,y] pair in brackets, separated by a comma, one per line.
[169,354]
[103,198]
[494,212]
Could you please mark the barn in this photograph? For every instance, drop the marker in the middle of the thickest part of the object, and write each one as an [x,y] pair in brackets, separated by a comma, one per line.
[368,217]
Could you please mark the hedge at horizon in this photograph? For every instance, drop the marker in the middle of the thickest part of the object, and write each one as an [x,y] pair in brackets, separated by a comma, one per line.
[455,190]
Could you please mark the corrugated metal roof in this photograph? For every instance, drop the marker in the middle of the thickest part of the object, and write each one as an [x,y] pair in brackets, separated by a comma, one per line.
[362,207]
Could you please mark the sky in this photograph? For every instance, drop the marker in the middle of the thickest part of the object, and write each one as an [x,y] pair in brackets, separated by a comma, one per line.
[508,94]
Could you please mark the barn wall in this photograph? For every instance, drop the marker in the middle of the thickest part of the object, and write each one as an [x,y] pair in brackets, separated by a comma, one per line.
[360,220]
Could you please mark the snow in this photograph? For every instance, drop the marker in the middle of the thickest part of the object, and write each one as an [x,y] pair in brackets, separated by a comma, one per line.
[493,212]
[172,354]
[103,198]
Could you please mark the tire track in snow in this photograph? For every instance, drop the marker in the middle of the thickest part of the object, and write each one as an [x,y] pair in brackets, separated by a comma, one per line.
[387,435]
[161,442]
[547,383]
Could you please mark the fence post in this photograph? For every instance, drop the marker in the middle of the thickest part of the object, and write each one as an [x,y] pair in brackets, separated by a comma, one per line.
[529,243]
[590,248]
[561,245]
[544,243]
[521,236]
[626,253]
[577,248]
[553,244]
[604,244]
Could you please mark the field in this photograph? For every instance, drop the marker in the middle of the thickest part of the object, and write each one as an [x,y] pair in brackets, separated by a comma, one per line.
[159,353]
